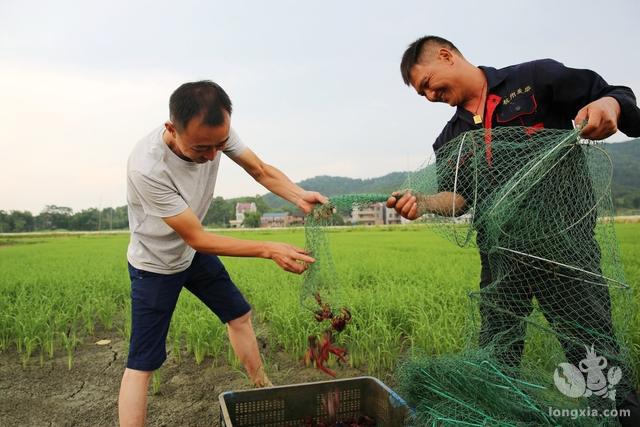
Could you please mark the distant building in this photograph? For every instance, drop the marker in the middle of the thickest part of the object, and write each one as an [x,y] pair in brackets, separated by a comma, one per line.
[280,219]
[241,209]
[375,214]
[393,217]
[368,215]
[297,218]
[464,219]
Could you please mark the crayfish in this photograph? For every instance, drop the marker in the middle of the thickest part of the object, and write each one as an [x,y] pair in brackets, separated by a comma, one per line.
[339,322]
[331,407]
[320,348]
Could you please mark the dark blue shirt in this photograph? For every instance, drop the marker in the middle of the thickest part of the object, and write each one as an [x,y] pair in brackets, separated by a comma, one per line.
[542,93]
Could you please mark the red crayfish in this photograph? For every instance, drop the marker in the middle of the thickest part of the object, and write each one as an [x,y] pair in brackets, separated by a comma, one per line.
[320,348]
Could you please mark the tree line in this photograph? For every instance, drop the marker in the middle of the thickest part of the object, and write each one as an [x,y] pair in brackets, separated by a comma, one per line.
[62,218]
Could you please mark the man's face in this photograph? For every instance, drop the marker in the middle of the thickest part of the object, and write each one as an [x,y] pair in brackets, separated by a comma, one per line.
[199,142]
[437,80]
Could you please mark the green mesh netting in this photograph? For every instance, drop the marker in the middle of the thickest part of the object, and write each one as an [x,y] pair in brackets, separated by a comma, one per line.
[537,204]
[321,277]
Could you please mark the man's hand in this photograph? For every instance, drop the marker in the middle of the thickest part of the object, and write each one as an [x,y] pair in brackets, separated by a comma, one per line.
[412,206]
[405,204]
[602,116]
[309,199]
[288,257]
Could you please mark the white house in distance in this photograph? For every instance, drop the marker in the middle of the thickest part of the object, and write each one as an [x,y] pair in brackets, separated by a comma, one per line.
[368,215]
[241,209]
[375,214]
[280,219]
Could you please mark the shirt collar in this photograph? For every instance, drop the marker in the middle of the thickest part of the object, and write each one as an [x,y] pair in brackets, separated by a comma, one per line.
[494,76]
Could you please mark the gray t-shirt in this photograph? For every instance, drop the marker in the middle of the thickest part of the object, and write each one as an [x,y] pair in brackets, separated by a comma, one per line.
[160,184]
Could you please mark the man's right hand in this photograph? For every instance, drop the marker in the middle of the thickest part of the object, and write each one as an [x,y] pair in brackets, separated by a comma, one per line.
[290,258]
[602,116]
[406,204]
[412,206]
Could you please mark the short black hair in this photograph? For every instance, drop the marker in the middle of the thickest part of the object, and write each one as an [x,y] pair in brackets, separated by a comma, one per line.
[415,51]
[194,99]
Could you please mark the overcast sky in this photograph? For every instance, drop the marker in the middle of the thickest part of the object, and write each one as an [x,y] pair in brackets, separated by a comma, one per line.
[315,85]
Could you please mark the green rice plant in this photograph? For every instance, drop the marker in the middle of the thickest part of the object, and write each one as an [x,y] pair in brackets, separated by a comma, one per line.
[232,359]
[199,348]
[48,342]
[405,286]
[156,380]
[203,334]
[41,358]
[176,348]
[69,342]
[106,310]
[125,314]
[29,344]
[87,313]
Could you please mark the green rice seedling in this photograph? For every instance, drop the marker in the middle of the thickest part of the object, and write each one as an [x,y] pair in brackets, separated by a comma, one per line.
[41,358]
[125,329]
[48,342]
[155,382]
[19,336]
[29,344]
[176,348]
[199,349]
[87,314]
[106,310]
[69,342]
[232,359]
[405,286]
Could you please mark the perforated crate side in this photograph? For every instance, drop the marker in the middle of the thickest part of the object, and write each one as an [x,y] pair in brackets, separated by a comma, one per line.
[290,405]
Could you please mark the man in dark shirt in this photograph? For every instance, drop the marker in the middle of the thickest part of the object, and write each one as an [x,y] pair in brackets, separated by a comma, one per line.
[535,95]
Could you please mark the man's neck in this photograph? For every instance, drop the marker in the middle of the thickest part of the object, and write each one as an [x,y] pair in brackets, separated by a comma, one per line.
[171,143]
[476,91]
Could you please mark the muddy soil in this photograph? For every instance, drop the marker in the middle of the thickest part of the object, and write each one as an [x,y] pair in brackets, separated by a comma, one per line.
[87,394]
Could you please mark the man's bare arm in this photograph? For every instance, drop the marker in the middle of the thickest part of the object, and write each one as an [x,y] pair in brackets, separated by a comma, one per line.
[188,226]
[277,182]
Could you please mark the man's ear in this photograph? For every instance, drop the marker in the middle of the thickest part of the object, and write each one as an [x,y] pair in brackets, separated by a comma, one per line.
[170,127]
[445,55]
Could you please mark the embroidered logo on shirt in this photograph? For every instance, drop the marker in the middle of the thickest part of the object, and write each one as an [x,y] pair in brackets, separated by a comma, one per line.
[508,98]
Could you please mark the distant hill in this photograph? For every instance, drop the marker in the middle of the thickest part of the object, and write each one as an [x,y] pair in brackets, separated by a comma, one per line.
[626,180]
[334,185]
[626,173]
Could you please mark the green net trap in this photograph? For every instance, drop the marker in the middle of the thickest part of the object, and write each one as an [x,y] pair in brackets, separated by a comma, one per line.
[537,205]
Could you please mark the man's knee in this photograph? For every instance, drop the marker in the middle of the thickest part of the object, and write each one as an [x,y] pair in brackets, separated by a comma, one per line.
[134,374]
[240,322]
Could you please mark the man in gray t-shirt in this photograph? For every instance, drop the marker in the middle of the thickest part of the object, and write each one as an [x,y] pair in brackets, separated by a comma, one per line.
[171,175]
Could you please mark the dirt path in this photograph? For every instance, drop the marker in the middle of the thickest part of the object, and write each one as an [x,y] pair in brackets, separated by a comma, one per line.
[87,395]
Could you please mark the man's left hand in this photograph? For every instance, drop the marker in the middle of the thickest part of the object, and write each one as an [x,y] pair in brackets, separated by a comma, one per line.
[309,199]
[602,116]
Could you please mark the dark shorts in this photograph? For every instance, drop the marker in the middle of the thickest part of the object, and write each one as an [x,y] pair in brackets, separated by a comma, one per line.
[154,297]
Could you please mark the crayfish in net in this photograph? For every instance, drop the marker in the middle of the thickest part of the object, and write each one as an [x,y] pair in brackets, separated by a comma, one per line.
[338,322]
[320,348]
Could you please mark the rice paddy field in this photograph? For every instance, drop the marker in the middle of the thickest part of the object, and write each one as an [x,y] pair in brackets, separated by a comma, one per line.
[407,289]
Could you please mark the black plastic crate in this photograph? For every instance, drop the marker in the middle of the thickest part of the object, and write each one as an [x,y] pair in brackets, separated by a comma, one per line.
[290,405]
